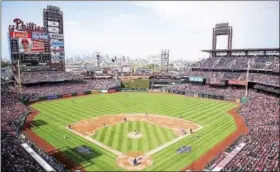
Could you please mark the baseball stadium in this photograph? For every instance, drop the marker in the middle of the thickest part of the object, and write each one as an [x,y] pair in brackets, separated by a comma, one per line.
[219,114]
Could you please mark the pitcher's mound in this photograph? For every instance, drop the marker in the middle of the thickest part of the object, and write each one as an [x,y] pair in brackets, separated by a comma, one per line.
[134,135]
[125,161]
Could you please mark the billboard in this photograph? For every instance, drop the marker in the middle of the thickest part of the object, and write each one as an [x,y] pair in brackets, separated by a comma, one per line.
[196,79]
[56,36]
[57,44]
[216,81]
[20,35]
[40,36]
[237,82]
[27,45]
[57,50]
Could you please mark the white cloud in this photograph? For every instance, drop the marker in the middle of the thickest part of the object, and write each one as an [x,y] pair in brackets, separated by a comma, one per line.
[185,28]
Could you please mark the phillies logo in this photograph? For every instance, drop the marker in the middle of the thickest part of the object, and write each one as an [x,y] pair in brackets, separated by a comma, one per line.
[21,26]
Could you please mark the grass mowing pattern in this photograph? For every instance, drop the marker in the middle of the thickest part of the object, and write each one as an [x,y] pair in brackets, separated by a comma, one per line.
[56,115]
[152,136]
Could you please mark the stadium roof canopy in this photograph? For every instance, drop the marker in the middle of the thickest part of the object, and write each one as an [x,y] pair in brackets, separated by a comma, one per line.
[240,50]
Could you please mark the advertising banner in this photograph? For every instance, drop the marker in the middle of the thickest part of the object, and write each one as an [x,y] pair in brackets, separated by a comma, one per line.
[40,36]
[57,44]
[57,50]
[87,92]
[94,92]
[237,82]
[66,95]
[26,45]
[104,91]
[33,99]
[80,94]
[56,36]
[196,79]
[43,98]
[52,97]
[111,91]
[20,35]
[215,81]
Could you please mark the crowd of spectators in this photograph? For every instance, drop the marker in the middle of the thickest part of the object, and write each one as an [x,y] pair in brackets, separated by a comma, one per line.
[43,76]
[227,92]
[261,78]
[70,87]
[254,77]
[266,88]
[256,62]
[13,156]
[261,152]
[261,113]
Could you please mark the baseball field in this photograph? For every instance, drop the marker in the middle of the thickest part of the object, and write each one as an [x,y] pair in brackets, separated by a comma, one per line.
[100,139]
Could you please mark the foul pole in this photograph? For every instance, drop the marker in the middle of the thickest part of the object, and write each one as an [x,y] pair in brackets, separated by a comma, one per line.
[247,78]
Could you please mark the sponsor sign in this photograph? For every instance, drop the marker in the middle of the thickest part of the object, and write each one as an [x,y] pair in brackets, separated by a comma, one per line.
[26,45]
[84,150]
[184,149]
[56,36]
[237,82]
[103,91]
[196,79]
[215,81]
[66,95]
[57,49]
[94,92]
[20,35]
[111,91]
[34,99]
[40,36]
[80,94]
[52,97]
[57,44]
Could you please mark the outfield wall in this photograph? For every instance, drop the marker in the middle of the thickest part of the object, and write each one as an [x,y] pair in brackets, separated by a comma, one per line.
[28,101]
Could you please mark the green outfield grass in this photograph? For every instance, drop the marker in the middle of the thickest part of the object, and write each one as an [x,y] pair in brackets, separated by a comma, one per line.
[56,115]
[116,136]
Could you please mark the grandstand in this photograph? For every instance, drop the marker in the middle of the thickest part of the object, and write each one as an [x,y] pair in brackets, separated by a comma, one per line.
[246,76]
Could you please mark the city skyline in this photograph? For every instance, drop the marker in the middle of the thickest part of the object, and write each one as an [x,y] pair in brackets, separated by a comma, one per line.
[143,29]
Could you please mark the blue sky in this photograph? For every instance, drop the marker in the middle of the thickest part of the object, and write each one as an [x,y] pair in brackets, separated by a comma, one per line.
[142,29]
